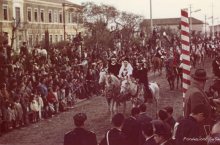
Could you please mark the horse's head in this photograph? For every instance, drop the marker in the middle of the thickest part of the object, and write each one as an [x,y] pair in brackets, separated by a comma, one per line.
[102,77]
[124,86]
[109,80]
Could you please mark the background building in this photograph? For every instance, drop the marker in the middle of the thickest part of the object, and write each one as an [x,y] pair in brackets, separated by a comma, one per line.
[174,24]
[216,28]
[31,18]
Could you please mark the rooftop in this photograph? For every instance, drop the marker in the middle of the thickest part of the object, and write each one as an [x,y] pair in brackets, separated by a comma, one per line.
[62,1]
[171,21]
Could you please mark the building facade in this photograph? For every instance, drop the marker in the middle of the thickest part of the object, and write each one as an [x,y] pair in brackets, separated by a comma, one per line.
[31,18]
[174,24]
[216,28]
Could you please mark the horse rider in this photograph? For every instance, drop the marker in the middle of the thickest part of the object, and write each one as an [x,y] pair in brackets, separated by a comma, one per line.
[159,53]
[113,66]
[126,69]
[140,74]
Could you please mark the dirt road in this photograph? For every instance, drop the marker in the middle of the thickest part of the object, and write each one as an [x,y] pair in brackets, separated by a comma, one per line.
[51,131]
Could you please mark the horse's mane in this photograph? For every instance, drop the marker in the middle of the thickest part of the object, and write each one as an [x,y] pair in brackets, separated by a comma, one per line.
[114,79]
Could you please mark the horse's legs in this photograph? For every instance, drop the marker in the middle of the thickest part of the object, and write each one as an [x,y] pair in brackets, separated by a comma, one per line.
[124,107]
[173,83]
[177,80]
[109,103]
[112,108]
[168,79]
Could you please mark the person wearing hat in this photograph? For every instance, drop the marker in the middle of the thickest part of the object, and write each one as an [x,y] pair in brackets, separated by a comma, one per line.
[113,66]
[126,69]
[80,136]
[196,95]
[190,127]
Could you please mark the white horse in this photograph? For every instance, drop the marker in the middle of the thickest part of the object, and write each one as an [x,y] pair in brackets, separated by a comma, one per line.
[41,52]
[137,93]
[112,92]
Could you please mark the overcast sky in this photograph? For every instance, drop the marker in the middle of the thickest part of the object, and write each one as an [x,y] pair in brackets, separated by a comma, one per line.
[165,8]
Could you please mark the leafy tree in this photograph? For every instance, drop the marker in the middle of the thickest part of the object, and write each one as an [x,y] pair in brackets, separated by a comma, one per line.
[105,24]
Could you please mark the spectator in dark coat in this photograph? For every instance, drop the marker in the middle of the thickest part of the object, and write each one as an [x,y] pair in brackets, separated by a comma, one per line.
[143,117]
[195,95]
[132,128]
[162,133]
[24,49]
[189,128]
[170,120]
[147,131]
[80,136]
[115,136]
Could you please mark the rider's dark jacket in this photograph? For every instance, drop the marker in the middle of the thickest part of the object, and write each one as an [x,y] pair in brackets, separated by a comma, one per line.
[141,75]
[114,69]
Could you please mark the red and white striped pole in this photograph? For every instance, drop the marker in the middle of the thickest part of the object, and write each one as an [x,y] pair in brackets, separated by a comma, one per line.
[185,51]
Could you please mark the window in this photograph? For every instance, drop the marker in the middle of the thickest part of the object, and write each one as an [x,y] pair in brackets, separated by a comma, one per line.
[69,17]
[43,38]
[42,15]
[51,38]
[17,14]
[50,16]
[56,38]
[35,15]
[5,12]
[74,17]
[55,17]
[61,37]
[37,39]
[61,17]
[29,14]
[80,18]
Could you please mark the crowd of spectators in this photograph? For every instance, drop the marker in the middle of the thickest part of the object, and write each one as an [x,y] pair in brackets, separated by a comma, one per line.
[35,85]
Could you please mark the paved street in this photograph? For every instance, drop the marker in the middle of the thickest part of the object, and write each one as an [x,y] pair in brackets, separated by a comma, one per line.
[51,131]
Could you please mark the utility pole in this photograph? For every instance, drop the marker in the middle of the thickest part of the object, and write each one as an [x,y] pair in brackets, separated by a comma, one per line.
[151,20]
[64,23]
[190,18]
[205,26]
[212,21]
